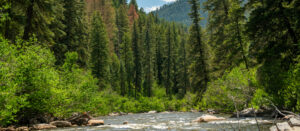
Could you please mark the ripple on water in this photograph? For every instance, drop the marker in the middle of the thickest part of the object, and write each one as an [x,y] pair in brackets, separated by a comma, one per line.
[170,121]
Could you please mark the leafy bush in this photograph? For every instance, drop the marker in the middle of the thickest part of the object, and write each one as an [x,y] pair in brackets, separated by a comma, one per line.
[292,91]
[233,90]
[10,103]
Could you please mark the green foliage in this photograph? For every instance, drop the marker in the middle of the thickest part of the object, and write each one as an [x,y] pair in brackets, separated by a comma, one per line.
[11,103]
[291,91]
[31,85]
[235,88]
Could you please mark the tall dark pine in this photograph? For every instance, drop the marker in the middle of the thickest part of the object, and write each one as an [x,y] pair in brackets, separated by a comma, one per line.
[123,27]
[201,66]
[75,38]
[137,59]
[159,55]
[99,55]
[38,16]
[168,82]
[148,66]
[174,59]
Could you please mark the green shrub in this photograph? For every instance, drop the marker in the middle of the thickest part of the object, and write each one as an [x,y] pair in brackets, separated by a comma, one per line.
[291,92]
[234,89]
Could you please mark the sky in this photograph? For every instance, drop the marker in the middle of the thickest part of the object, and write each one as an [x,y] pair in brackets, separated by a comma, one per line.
[151,5]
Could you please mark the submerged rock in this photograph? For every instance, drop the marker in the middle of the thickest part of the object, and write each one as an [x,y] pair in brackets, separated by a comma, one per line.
[125,123]
[208,118]
[61,123]
[43,126]
[95,122]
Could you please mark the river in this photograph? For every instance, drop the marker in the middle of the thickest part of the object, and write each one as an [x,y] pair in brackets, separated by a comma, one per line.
[174,121]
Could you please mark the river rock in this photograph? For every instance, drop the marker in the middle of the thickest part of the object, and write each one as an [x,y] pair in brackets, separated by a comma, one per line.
[7,129]
[80,119]
[208,118]
[22,128]
[152,112]
[95,122]
[282,127]
[61,123]
[211,111]
[43,126]
[125,122]
[294,122]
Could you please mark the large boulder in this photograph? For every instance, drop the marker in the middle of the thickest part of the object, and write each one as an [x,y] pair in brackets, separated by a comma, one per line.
[80,119]
[208,118]
[61,123]
[43,126]
[294,122]
[95,122]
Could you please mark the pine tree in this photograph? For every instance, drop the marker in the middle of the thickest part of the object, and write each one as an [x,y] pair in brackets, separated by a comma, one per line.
[100,53]
[148,63]
[159,54]
[137,59]
[38,17]
[183,65]
[174,59]
[127,58]
[218,18]
[273,29]
[200,70]
[123,27]
[5,8]
[75,38]
[133,2]
[168,81]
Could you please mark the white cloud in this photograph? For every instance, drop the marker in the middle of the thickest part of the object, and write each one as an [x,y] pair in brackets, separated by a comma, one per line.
[153,8]
[169,0]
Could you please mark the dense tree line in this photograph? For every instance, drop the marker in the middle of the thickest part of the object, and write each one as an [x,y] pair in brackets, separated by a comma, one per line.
[58,58]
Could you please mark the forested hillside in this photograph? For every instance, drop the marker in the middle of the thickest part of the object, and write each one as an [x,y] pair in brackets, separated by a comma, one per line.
[178,11]
[58,57]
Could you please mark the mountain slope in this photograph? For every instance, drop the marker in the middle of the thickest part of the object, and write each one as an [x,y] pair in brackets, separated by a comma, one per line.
[178,12]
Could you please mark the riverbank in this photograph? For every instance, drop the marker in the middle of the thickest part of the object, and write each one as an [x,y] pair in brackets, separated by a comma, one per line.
[171,121]
[152,119]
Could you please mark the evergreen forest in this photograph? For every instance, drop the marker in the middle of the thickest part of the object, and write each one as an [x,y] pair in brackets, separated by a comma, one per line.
[58,57]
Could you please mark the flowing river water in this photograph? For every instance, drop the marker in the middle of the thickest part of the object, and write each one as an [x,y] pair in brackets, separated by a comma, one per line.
[173,121]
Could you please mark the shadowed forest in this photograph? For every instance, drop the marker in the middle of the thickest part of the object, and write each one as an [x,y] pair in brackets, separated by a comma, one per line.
[58,57]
